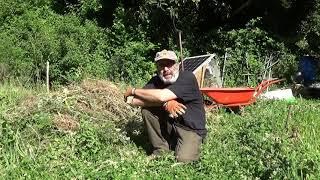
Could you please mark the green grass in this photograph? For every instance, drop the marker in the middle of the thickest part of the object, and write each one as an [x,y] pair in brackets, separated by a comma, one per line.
[259,144]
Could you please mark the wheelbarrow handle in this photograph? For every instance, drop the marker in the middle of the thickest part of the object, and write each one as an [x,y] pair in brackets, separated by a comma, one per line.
[264,84]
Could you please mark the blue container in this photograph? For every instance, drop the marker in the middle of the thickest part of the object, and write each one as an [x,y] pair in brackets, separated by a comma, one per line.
[308,68]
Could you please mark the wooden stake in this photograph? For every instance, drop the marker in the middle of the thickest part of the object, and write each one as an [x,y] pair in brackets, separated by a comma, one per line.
[288,118]
[47,76]
[203,71]
[181,56]
[223,68]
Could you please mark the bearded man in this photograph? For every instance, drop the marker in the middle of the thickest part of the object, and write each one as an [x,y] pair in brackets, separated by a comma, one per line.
[172,109]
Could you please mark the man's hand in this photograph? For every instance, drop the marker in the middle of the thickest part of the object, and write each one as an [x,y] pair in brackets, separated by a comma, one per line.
[174,108]
[129,100]
[129,92]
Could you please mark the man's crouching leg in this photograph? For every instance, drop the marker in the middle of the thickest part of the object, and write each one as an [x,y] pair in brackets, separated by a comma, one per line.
[156,126]
[188,145]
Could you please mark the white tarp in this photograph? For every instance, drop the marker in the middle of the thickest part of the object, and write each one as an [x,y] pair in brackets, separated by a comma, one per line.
[278,94]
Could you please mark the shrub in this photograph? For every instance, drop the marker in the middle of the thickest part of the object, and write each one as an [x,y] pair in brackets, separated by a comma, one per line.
[74,49]
[129,55]
[248,51]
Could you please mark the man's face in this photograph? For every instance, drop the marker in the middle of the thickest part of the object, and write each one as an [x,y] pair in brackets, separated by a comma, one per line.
[168,70]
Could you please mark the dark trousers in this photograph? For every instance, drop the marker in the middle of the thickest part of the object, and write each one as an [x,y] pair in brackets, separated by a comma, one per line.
[165,135]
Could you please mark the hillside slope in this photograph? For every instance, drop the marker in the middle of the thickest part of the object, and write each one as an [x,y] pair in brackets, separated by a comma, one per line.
[86,131]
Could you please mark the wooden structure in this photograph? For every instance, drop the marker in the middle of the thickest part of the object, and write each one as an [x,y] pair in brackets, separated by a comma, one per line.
[200,74]
[200,66]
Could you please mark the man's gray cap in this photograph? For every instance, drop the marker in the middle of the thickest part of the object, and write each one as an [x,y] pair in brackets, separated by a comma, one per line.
[165,54]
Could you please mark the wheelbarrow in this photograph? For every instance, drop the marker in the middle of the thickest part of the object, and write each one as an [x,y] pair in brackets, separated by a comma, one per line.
[236,97]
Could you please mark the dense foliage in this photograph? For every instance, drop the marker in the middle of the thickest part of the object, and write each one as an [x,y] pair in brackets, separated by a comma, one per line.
[117,40]
[75,47]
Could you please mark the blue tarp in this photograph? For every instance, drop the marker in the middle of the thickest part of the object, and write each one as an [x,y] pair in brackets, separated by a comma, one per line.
[308,68]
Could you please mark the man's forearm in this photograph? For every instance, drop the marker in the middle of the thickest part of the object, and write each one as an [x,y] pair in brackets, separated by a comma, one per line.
[154,95]
[143,103]
[149,95]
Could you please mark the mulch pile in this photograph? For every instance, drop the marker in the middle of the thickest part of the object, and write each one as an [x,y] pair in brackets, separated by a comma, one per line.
[96,100]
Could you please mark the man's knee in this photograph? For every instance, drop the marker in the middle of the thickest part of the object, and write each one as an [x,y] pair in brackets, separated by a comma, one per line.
[152,114]
[145,112]
[148,115]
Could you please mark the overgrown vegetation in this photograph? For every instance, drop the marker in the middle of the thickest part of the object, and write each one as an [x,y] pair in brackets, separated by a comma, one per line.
[250,53]
[87,132]
[75,47]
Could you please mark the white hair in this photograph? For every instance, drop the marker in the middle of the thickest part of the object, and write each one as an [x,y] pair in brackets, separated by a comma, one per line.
[174,77]
[172,80]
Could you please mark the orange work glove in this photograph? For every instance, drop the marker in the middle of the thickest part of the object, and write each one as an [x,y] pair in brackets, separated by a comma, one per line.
[174,108]
[129,92]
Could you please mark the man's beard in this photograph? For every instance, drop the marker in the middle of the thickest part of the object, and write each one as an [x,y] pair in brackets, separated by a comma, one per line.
[172,80]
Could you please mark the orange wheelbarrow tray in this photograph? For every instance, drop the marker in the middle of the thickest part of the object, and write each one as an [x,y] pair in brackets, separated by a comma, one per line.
[233,97]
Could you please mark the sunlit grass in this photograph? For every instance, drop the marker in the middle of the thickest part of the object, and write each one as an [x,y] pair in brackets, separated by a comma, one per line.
[259,143]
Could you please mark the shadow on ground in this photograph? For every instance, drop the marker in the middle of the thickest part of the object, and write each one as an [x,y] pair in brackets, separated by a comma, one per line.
[138,135]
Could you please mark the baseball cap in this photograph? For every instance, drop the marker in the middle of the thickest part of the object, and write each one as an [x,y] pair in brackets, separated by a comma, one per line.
[165,54]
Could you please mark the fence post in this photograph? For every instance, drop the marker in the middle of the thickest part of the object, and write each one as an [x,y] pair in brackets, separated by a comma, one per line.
[224,67]
[181,56]
[47,77]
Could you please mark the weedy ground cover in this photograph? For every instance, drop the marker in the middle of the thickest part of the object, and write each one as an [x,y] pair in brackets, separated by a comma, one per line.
[86,131]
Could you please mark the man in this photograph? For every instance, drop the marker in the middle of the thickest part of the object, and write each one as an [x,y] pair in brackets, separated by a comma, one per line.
[172,109]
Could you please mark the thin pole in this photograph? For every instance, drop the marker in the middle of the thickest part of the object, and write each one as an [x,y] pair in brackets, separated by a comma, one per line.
[223,68]
[269,73]
[47,77]
[181,56]
[286,125]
